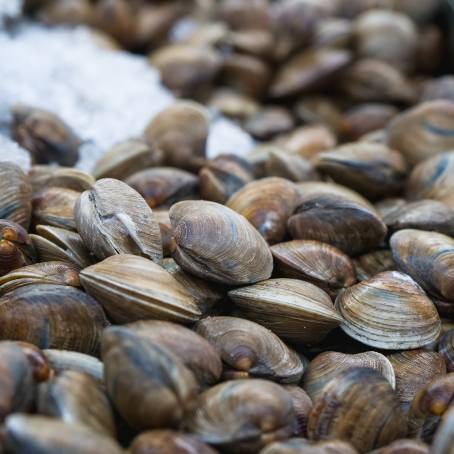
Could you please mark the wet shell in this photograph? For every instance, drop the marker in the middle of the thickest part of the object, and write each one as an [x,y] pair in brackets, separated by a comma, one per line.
[46,176]
[242,415]
[389,311]
[132,288]
[112,218]
[423,131]
[267,204]
[149,386]
[327,365]
[218,244]
[366,394]
[428,257]
[250,350]
[52,316]
[15,194]
[446,348]
[322,264]
[292,309]
[372,263]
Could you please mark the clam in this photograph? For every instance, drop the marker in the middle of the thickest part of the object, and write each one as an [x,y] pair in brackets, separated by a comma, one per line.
[132,288]
[223,176]
[319,110]
[193,350]
[267,204]
[428,257]
[255,14]
[269,122]
[333,32]
[405,445]
[327,365]
[423,131]
[168,442]
[76,398]
[316,262]
[446,348]
[249,350]
[242,415]
[126,158]
[439,88]
[148,384]
[57,273]
[45,135]
[16,248]
[258,43]
[374,170]
[162,216]
[444,436]
[15,194]
[46,176]
[299,445]
[233,104]
[55,244]
[366,394]
[308,70]
[112,218]
[41,434]
[389,311]
[349,223]
[241,257]
[372,263]
[414,369]
[180,133]
[164,186]
[55,206]
[293,309]
[302,405]
[52,316]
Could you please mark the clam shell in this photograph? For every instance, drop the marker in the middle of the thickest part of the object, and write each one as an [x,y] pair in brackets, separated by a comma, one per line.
[372,263]
[292,309]
[444,436]
[216,243]
[446,348]
[132,288]
[46,176]
[298,445]
[269,122]
[389,311]
[302,405]
[405,445]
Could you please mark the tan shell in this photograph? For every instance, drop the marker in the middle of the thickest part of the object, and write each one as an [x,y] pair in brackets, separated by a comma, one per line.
[389,311]
[112,218]
[250,350]
[327,365]
[218,244]
[132,288]
[267,204]
[42,176]
[293,309]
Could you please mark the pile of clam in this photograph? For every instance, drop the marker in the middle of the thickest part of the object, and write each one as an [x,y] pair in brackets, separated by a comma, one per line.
[299,299]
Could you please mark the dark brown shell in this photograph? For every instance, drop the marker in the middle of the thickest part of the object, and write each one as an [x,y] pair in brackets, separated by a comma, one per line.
[372,263]
[302,405]
[270,122]
[446,348]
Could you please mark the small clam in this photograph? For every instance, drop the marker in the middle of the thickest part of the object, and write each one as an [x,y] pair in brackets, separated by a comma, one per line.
[239,15]
[423,131]
[291,308]
[316,262]
[302,445]
[52,316]
[372,263]
[59,273]
[389,311]
[366,394]
[446,348]
[223,176]
[16,248]
[267,204]
[269,122]
[319,110]
[46,176]
[41,434]
[302,405]
[126,158]
[428,257]
[258,43]
[55,206]
[76,398]
[242,415]
[112,218]
[333,32]
[216,243]
[15,194]
[193,350]
[374,170]
[148,384]
[55,244]
[415,369]
[180,133]
[327,365]
[164,186]
[45,135]
[134,288]
[233,104]
[250,350]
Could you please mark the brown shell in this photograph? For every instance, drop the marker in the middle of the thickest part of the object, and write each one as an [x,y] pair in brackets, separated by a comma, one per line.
[52,316]
[162,216]
[45,176]
[250,350]
[269,122]
[37,359]
[134,288]
[267,204]
[446,348]
[302,445]
[291,308]
[302,405]
[389,311]
[405,446]
[372,263]
[216,243]
[428,257]
[444,436]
